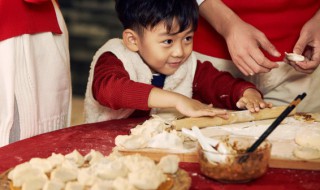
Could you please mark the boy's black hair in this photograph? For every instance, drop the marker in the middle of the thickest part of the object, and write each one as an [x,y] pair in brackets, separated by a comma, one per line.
[140,14]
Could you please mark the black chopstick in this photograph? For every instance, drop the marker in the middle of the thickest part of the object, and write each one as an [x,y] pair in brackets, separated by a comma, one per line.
[276,122]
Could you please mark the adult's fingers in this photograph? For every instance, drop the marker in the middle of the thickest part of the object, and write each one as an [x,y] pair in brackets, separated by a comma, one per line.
[306,66]
[244,68]
[268,46]
[300,45]
[262,60]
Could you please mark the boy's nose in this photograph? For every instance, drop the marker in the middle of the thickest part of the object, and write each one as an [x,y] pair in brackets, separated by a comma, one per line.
[178,50]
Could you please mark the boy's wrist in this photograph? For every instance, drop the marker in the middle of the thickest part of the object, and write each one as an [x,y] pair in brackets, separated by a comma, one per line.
[252,92]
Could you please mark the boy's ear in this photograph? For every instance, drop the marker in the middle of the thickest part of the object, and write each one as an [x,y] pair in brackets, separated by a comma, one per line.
[130,39]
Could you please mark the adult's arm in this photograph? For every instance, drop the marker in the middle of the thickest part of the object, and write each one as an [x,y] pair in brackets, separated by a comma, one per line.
[244,40]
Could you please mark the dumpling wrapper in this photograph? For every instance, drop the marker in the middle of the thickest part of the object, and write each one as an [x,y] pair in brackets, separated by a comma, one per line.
[147,178]
[294,57]
[121,183]
[150,127]
[73,185]
[112,170]
[64,174]
[131,141]
[166,140]
[136,162]
[24,173]
[53,185]
[93,157]
[75,157]
[102,185]
[56,159]
[87,176]
[308,137]
[41,163]
[306,153]
[169,164]
[37,182]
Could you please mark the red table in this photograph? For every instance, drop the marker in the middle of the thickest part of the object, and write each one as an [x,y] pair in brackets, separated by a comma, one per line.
[100,136]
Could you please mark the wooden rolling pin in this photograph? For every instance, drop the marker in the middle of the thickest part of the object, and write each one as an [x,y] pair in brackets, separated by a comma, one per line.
[234,117]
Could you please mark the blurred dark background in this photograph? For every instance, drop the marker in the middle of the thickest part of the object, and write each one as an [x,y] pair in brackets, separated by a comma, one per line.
[90,23]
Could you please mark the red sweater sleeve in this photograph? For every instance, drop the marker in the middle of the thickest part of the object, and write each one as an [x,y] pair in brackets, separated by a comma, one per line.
[216,87]
[113,88]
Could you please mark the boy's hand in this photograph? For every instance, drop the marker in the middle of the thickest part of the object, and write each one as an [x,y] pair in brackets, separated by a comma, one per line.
[160,98]
[194,108]
[252,101]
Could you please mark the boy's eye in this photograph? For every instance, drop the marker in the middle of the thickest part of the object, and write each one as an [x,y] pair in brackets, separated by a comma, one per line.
[168,41]
[189,38]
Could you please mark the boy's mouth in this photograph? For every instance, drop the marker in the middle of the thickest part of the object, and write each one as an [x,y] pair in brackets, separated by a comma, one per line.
[174,64]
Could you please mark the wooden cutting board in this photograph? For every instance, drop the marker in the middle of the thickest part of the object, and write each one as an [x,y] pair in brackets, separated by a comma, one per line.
[191,156]
[156,155]
[234,117]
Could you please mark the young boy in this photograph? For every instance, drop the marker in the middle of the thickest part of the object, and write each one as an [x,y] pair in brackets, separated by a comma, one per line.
[153,67]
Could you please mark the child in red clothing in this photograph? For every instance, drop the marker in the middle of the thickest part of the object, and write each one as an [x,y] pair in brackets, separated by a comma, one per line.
[153,67]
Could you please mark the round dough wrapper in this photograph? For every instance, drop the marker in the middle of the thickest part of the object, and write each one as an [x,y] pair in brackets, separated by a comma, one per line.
[308,137]
[306,153]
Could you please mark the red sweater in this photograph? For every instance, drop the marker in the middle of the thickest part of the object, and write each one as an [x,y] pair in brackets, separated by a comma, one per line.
[280,20]
[19,17]
[113,88]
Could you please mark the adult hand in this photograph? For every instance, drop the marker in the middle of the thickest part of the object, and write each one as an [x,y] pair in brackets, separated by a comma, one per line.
[308,45]
[244,42]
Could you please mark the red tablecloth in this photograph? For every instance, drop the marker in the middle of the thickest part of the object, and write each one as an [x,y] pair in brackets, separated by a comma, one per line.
[100,136]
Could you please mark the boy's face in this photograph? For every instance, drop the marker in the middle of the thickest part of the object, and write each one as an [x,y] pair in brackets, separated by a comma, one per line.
[165,52]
